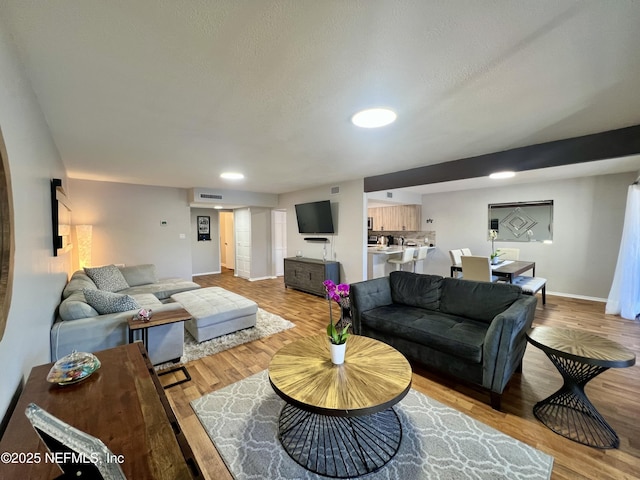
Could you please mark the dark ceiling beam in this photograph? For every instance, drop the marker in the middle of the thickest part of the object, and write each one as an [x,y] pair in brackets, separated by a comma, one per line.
[588,148]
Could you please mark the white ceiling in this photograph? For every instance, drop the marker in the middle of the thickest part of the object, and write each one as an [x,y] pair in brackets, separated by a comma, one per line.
[171,93]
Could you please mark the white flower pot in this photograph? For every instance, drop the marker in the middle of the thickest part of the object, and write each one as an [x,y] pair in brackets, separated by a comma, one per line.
[337,353]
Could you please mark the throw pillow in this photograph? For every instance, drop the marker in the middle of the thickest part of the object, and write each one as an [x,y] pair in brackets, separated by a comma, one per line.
[109,302]
[108,278]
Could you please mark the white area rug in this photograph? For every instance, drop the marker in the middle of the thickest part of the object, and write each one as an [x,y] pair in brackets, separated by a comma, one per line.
[438,442]
[266,324]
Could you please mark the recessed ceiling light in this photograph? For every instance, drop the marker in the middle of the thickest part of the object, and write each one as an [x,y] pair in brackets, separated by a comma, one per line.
[374,118]
[232,176]
[502,175]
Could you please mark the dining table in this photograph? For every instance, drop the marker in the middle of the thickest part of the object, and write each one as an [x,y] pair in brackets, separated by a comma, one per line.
[508,269]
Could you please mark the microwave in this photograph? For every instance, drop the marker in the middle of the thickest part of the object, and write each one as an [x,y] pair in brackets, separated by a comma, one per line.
[369,223]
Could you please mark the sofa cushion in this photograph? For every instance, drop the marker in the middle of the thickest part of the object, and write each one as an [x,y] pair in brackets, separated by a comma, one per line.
[416,290]
[450,334]
[477,300]
[75,307]
[108,278]
[139,274]
[164,288]
[78,281]
[109,302]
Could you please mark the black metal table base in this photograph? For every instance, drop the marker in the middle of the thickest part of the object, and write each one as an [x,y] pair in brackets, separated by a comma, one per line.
[569,413]
[181,368]
[340,447]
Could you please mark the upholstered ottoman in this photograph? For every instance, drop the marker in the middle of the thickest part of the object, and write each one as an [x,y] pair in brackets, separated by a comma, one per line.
[216,312]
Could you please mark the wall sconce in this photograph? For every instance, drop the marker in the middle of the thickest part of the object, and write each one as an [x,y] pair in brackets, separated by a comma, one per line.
[83,236]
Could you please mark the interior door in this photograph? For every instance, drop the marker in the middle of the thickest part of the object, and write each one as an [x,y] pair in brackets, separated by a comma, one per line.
[227,242]
[242,227]
[279,240]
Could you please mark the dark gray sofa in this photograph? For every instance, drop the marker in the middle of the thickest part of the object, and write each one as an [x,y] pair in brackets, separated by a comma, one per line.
[474,331]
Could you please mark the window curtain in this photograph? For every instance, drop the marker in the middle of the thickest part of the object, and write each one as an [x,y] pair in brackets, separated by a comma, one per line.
[624,297]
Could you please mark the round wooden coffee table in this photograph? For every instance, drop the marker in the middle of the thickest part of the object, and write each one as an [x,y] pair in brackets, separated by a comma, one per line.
[338,420]
[579,356]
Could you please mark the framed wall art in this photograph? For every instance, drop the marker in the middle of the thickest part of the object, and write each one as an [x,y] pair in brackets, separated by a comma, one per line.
[204,228]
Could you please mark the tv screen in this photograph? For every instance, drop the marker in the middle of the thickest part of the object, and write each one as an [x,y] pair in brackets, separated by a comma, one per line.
[315,217]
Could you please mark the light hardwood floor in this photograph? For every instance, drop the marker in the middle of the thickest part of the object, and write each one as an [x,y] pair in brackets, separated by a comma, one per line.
[616,392]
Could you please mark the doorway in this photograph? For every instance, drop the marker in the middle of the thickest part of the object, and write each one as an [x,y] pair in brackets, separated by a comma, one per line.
[227,250]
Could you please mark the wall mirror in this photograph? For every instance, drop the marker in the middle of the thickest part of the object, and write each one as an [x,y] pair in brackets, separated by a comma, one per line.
[522,221]
[6,237]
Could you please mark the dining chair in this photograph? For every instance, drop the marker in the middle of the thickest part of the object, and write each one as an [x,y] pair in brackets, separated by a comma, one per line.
[455,256]
[466,251]
[407,257]
[509,253]
[477,268]
[420,256]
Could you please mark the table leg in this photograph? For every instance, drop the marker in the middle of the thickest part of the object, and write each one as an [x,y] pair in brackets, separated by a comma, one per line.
[340,447]
[569,413]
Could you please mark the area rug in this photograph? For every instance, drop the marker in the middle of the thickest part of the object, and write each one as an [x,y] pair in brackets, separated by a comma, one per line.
[438,442]
[266,324]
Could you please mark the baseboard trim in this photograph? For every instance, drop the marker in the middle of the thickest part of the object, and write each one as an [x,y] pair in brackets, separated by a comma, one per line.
[206,273]
[579,297]
[261,278]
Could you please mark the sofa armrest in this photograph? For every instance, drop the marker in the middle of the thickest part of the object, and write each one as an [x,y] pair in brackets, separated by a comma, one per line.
[505,343]
[368,295]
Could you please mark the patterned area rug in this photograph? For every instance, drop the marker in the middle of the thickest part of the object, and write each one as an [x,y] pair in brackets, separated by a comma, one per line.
[438,442]
[266,324]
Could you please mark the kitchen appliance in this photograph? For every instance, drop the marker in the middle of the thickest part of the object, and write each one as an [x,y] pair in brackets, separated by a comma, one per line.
[372,240]
[369,223]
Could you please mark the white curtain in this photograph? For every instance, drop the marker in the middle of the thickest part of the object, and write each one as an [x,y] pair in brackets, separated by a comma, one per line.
[624,297]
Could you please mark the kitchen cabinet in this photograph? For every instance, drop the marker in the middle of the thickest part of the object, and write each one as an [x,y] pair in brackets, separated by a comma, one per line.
[396,218]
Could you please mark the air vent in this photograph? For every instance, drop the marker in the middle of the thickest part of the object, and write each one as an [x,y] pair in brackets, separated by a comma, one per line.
[335,190]
[389,194]
[211,196]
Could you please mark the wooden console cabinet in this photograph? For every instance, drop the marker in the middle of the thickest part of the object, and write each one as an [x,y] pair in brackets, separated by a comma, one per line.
[307,274]
[122,403]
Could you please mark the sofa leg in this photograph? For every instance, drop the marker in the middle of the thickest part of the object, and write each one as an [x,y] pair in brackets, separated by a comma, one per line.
[519,367]
[544,294]
[495,400]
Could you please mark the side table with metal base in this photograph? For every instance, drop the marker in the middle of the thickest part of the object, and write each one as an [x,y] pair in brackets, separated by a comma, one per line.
[161,318]
[579,357]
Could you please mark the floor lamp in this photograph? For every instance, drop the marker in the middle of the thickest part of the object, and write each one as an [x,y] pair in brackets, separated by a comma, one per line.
[83,236]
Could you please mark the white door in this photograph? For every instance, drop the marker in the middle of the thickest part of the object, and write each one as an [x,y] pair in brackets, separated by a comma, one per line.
[279,240]
[242,226]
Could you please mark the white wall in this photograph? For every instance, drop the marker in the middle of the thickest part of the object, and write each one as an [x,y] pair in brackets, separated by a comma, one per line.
[349,216]
[588,219]
[38,276]
[127,224]
[205,255]
[261,243]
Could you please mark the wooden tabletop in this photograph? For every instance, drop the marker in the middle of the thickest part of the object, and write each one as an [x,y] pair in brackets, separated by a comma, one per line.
[120,404]
[582,346]
[160,318]
[373,377]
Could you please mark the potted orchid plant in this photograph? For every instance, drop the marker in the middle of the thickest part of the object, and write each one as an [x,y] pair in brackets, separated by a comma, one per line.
[338,333]
[495,254]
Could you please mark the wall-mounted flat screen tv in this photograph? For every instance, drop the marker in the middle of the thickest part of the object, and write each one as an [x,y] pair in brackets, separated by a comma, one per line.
[315,217]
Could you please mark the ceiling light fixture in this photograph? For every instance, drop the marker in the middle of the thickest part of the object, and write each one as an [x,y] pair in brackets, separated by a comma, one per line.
[374,118]
[505,174]
[232,176]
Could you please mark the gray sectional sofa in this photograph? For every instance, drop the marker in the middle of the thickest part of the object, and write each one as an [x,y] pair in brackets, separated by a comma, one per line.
[97,303]
[474,331]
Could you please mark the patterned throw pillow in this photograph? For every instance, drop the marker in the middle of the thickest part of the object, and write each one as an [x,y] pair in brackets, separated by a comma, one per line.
[108,278]
[108,302]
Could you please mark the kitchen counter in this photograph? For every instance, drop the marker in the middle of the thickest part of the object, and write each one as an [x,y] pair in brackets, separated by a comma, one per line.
[377,265]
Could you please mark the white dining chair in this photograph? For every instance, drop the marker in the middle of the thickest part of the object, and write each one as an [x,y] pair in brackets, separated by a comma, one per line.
[407,257]
[477,268]
[509,253]
[455,256]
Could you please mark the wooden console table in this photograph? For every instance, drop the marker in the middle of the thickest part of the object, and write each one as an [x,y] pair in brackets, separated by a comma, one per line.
[307,274]
[122,403]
